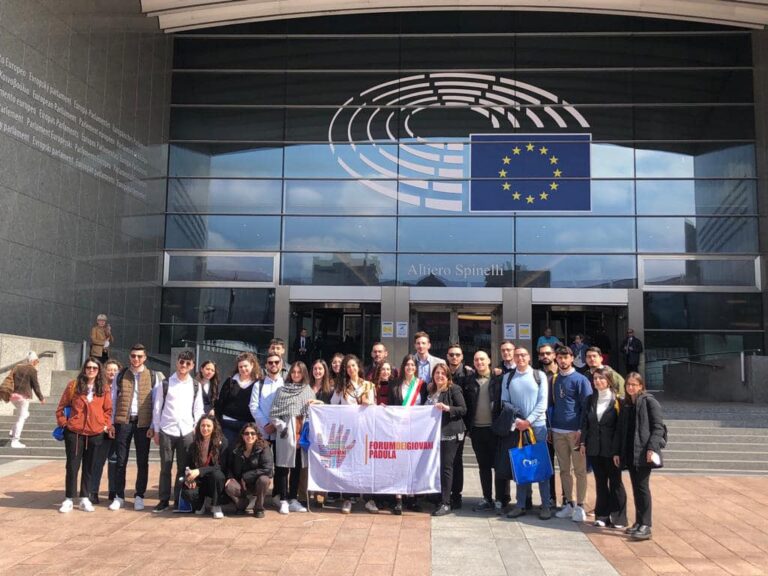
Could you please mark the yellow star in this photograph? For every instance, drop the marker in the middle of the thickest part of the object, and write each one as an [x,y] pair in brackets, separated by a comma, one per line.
[502,173]
[506,186]
[553,160]
[543,195]
[558,173]
[529,147]
[506,159]
[516,195]
[529,199]
[516,150]
[543,150]
[553,186]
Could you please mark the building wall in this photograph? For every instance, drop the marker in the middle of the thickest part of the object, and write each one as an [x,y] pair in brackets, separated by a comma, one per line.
[83,129]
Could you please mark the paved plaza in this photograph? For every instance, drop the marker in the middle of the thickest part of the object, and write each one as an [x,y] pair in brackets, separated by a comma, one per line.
[703,525]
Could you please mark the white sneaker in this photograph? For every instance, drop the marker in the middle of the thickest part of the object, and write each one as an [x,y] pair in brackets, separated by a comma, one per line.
[85,505]
[116,504]
[17,444]
[67,506]
[346,507]
[579,514]
[295,506]
[371,507]
[284,507]
[217,513]
[138,503]
[565,512]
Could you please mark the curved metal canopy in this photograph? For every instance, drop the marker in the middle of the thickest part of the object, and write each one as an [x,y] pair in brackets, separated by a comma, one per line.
[178,15]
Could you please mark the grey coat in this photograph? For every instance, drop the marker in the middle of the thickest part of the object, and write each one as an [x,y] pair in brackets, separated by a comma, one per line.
[649,430]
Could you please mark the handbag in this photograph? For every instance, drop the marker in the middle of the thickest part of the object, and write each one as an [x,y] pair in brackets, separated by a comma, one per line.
[58,432]
[304,441]
[6,388]
[530,462]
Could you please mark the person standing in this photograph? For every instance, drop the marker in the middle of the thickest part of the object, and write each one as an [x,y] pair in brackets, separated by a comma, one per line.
[507,364]
[459,372]
[101,338]
[632,347]
[382,380]
[549,367]
[302,347]
[571,394]
[106,453]
[579,349]
[379,354]
[594,357]
[277,346]
[482,393]
[208,376]
[548,338]
[425,362]
[642,433]
[132,405]
[321,381]
[24,384]
[232,407]
[90,418]
[177,406]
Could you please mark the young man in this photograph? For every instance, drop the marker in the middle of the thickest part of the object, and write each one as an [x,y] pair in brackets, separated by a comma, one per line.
[459,373]
[302,347]
[482,392]
[507,364]
[177,407]
[549,367]
[132,407]
[521,390]
[277,346]
[262,396]
[425,362]
[594,357]
[632,347]
[571,394]
[24,384]
[379,354]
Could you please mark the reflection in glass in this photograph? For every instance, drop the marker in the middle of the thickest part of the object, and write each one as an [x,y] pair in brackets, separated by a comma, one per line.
[224,196]
[226,160]
[456,234]
[691,235]
[339,234]
[320,161]
[218,305]
[575,234]
[696,160]
[612,161]
[221,268]
[696,197]
[223,232]
[338,269]
[230,123]
[335,197]
[703,311]
[694,123]
[561,271]
[489,270]
[232,337]
[730,272]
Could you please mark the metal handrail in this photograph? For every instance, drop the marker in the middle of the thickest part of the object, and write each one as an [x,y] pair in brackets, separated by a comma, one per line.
[688,356]
[44,354]
[216,348]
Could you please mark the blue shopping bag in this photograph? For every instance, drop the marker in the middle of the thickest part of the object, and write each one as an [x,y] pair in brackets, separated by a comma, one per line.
[530,462]
[304,440]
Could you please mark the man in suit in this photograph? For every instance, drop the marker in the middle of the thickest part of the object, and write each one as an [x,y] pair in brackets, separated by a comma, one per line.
[632,348]
[425,362]
[302,347]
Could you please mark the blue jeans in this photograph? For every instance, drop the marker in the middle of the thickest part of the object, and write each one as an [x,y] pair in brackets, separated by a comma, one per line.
[523,491]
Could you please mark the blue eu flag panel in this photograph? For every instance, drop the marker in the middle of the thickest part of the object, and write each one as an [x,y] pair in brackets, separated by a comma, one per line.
[530,172]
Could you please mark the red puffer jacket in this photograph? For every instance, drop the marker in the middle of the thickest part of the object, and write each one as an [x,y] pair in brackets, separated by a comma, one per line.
[86,418]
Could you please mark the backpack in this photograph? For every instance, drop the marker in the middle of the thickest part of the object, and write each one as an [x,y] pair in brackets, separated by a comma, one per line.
[196,390]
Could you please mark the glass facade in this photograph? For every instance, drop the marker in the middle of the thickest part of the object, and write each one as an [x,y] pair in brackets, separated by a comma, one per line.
[341,147]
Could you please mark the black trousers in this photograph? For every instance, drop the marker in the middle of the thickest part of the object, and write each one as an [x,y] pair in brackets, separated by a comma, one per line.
[105,455]
[80,451]
[611,499]
[448,450]
[484,445]
[457,486]
[209,485]
[552,487]
[641,490]
[287,479]
[123,435]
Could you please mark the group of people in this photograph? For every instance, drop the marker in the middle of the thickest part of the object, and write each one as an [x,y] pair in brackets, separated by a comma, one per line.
[234,439]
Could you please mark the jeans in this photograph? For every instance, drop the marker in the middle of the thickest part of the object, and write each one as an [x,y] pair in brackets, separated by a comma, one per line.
[169,445]
[123,435]
[484,445]
[22,408]
[523,491]
[80,450]
[254,487]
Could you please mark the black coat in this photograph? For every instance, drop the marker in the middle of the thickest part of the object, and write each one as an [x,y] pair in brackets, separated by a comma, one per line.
[649,430]
[472,390]
[259,463]
[632,350]
[453,420]
[601,438]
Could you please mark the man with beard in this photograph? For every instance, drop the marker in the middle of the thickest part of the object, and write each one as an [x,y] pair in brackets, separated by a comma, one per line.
[549,367]
[459,372]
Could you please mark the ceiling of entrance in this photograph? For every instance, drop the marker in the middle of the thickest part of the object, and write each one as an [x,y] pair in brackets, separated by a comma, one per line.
[177,15]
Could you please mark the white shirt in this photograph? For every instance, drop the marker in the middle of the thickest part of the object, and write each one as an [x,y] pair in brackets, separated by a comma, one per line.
[182,408]
[262,396]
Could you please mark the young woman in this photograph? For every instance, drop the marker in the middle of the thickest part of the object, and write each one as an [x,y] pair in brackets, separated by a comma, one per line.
[208,376]
[287,414]
[322,385]
[250,469]
[336,361]
[231,406]
[600,441]
[353,390]
[204,480]
[381,380]
[106,453]
[641,433]
[447,397]
[90,418]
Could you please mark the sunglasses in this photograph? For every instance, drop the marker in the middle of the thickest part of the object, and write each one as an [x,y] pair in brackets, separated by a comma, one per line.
[454,354]
[249,433]
[137,355]
[185,362]
[91,367]
[273,362]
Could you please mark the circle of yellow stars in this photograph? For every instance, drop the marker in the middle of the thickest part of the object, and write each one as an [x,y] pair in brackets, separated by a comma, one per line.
[531,148]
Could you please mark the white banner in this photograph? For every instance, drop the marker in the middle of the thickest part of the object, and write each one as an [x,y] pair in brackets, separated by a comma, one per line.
[374,449]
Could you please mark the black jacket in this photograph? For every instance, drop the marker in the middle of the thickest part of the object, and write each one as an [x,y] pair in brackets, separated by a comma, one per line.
[259,463]
[649,430]
[460,376]
[395,393]
[601,438]
[453,420]
[471,391]
[220,464]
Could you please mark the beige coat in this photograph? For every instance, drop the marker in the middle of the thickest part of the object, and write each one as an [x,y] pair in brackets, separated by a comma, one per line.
[98,337]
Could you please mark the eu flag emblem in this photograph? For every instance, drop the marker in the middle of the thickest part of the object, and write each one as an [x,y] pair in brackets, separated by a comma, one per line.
[530,172]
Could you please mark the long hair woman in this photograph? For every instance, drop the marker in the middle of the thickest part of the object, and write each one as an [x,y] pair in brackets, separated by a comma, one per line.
[232,406]
[641,433]
[322,385]
[90,418]
[335,367]
[206,460]
[208,376]
[250,470]
[381,381]
[107,451]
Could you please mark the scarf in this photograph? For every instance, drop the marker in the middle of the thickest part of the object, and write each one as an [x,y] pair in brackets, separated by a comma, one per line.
[414,387]
[291,401]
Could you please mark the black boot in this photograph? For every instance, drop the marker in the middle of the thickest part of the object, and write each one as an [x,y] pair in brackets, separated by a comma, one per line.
[642,533]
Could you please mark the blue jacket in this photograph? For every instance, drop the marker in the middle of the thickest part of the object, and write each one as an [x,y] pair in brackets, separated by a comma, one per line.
[571,394]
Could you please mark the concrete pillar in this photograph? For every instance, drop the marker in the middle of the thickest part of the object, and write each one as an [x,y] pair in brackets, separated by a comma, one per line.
[283,313]
[636,321]
[402,309]
[516,308]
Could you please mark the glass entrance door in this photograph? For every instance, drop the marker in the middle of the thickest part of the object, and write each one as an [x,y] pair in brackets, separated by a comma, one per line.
[346,328]
[473,327]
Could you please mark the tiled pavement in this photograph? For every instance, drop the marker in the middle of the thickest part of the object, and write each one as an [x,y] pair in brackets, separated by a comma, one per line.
[703,525]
